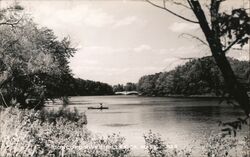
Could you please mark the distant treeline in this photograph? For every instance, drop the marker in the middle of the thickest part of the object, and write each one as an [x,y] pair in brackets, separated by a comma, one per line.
[128,87]
[80,87]
[196,77]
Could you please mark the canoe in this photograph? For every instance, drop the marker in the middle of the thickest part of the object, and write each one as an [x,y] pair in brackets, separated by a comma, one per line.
[97,108]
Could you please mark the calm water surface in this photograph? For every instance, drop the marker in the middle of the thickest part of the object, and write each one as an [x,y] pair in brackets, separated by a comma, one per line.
[183,122]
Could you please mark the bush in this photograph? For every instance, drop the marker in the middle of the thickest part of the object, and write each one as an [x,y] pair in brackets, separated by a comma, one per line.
[218,145]
[246,146]
[157,148]
[53,133]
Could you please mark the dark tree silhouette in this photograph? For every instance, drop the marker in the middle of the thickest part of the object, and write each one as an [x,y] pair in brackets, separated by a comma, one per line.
[222,32]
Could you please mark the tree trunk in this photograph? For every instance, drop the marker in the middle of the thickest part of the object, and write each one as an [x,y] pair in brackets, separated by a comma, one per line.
[234,88]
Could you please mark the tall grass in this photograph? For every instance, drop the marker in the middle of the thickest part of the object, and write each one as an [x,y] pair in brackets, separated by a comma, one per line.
[53,133]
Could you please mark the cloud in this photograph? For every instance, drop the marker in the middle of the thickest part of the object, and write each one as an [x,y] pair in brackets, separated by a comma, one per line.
[142,48]
[125,21]
[186,52]
[60,15]
[106,50]
[103,50]
[182,27]
[98,18]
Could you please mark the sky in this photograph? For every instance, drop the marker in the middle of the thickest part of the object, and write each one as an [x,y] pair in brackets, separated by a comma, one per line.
[119,41]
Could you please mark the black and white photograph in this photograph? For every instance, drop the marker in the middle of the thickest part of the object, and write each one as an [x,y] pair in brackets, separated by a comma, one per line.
[124,78]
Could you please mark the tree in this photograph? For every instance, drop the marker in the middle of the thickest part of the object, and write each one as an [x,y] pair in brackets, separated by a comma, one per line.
[118,88]
[130,86]
[87,87]
[34,63]
[222,32]
[147,84]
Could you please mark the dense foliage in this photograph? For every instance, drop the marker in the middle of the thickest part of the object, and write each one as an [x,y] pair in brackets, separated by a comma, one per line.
[33,62]
[82,87]
[196,77]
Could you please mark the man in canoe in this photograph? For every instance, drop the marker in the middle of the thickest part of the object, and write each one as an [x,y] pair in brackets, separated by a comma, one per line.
[101,105]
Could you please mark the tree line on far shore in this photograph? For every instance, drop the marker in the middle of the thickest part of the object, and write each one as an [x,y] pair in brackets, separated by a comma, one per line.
[127,87]
[80,87]
[196,77]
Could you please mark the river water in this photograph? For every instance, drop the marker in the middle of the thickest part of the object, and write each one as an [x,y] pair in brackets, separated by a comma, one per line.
[182,122]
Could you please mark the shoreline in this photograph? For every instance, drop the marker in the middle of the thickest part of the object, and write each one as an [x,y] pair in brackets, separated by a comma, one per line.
[190,96]
[185,96]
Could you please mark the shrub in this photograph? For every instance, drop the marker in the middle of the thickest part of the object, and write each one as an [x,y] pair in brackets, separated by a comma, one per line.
[53,133]
[218,145]
[157,148]
[246,146]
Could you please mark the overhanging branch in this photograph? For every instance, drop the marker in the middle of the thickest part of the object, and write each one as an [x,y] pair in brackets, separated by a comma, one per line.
[233,43]
[173,13]
[195,37]
[181,4]
[12,24]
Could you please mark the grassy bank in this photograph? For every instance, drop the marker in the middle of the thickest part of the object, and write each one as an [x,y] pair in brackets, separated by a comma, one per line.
[53,133]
